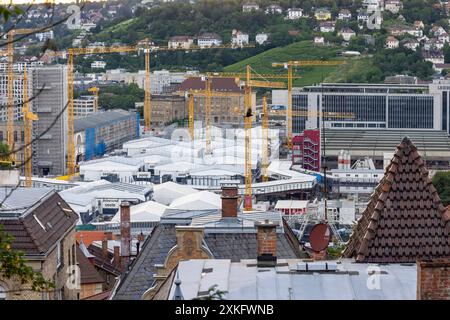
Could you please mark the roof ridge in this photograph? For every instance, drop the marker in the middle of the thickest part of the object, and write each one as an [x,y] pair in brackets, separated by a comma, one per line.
[401,221]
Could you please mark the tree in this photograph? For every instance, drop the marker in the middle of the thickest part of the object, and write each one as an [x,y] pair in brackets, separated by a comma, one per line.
[441,181]
[13,265]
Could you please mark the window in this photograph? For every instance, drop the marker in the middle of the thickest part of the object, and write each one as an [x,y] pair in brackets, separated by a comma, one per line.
[2,293]
[58,255]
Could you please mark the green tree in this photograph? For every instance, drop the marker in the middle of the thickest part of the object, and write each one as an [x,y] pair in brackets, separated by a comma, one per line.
[13,265]
[441,181]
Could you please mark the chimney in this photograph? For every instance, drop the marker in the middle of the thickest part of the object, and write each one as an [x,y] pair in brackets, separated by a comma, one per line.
[125,230]
[266,238]
[229,200]
[105,248]
[117,260]
[140,239]
[109,235]
[433,279]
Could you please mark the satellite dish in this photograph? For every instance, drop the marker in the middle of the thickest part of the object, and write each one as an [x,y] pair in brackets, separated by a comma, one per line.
[319,237]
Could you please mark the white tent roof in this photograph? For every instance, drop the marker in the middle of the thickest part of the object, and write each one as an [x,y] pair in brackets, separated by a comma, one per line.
[203,200]
[144,212]
[166,192]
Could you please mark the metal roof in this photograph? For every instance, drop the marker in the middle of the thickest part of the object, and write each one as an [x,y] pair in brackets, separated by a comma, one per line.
[100,119]
[245,281]
[15,202]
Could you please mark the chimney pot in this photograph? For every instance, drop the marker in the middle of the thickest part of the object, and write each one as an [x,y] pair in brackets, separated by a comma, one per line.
[117,262]
[229,201]
[105,247]
[125,229]
[266,238]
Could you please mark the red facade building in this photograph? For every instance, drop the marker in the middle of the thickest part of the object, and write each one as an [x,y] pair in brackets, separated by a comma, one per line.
[306,150]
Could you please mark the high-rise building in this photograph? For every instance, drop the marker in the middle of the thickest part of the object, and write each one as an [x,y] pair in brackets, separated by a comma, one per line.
[47,91]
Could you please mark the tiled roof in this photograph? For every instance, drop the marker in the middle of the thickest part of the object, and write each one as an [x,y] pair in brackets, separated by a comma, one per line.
[217,84]
[87,270]
[102,263]
[38,230]
[405,219]
[90,236]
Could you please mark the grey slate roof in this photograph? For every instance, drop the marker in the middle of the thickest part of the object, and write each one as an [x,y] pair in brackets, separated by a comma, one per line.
[154,251]
[223,245]
[100,119]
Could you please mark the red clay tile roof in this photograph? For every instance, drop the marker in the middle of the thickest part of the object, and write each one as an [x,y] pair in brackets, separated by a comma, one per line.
[217,84]
[88,272]
[100,296]
[90,236]
[405,219]
[30,237]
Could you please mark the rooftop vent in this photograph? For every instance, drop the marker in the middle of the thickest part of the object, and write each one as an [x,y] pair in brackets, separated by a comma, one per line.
[317,266]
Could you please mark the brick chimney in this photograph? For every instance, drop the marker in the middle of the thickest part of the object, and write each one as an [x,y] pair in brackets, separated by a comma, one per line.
[117,260]
[266,238]
[229,200]
[433,279]
[125,230]
[105,247]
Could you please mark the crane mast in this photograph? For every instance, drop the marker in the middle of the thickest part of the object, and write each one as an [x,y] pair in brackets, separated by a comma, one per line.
[28,117]
[191,116]
[248,116]
[265,141]
[10,88]
[208,114]
[147,97]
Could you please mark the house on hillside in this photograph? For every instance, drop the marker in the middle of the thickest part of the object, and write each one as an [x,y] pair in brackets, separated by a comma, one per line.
[319,40]
[392,42]
[327,26]
[394,6]
[322,14]
[411,44]
[239,38]
[274,9]
[261,38]
[344,14]
[180,42]
[207,40]
[347,34]
[294,13]
[250,6]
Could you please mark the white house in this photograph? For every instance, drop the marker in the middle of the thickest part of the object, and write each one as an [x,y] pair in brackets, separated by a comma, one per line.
[43,36]
[437,31]
[98,65]
[249,7]
[274,9]
[239,38]
[415,32]
[393,6]
[391,42]
[344,14]
[372,5]
[327,26]
[261,38]
[444,38]
[207,40]
[180,42]
[294,13]
[347,34]
[319,40]
[412,44]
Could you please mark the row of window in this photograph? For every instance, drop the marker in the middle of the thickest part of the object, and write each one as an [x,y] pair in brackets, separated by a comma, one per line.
[22,136]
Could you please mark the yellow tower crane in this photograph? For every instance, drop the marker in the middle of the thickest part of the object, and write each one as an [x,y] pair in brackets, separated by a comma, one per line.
[28,117]
[71,53]
[250,81]
[10,86]
[289,66]
[265,144]
[208,93]
[95,91]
